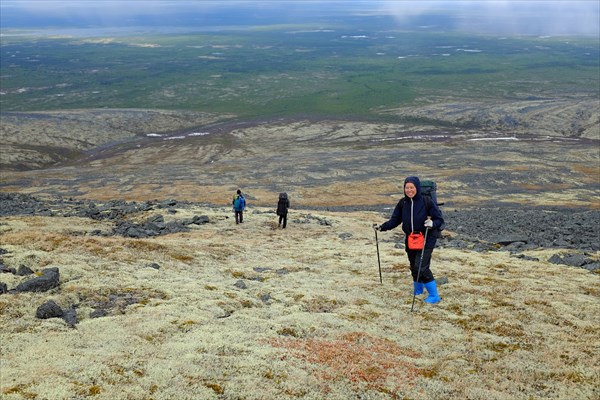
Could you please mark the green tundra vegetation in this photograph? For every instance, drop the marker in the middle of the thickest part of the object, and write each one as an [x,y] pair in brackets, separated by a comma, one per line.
[282,71]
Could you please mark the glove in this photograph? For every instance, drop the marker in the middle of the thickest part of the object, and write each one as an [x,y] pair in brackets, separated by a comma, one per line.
[376,227]
[428,223]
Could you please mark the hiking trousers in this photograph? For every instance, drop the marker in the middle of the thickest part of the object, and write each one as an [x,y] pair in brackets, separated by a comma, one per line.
[414,256]
[283,218]
[239,217]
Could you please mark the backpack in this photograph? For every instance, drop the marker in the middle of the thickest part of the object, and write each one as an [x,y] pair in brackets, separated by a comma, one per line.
[282,204]
[238,203]
[429,188]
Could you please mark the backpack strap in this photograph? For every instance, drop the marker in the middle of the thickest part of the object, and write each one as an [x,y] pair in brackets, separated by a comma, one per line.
[428,202]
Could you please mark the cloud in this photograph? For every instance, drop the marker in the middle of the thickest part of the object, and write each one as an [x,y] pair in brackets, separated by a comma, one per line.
[501,17]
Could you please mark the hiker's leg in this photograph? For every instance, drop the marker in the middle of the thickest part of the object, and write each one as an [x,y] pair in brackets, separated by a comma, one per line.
[280,219]
[426,275]
[237,218]
[284,220]
[412,255]
[241,217]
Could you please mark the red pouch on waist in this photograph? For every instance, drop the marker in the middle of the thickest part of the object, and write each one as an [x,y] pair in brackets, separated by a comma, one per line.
[416,241]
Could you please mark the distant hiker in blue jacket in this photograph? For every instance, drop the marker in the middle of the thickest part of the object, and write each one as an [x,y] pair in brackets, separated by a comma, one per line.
[239,205]
[416,212]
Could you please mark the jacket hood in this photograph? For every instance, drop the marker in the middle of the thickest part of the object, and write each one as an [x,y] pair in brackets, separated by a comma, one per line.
[415,181]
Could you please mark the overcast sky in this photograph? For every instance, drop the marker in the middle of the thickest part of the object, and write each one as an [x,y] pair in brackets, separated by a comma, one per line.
[502,17]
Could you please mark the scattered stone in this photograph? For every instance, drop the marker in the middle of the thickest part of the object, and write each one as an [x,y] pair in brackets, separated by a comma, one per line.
[153,265]
[199,220]
[240,284]
[98,313]
[265,298]
[345,236]
[24,270]
[7,270]
[225,314]
[282,271]
[3,288]
[261,269]
[574,260]
[49,310]
[442,281]
[595,266]
[524,257]
[49,280]
[70,316]
[3,251]
[505,241]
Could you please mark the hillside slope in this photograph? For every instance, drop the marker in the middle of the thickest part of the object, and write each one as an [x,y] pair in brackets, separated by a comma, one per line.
[256,312]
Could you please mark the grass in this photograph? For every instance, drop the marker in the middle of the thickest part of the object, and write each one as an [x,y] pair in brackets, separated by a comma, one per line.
[274,72]
[506,327]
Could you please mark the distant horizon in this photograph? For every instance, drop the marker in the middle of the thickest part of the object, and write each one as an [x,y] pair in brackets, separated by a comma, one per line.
[556,18]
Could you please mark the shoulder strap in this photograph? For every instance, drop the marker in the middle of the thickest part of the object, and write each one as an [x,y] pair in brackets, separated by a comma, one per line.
[428,202]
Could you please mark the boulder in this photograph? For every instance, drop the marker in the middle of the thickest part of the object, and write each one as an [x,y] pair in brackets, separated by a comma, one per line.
[49,310]
[24,270]
[49,280]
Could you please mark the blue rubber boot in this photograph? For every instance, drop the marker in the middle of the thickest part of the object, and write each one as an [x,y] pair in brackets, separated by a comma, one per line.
[433,296]
[419,286]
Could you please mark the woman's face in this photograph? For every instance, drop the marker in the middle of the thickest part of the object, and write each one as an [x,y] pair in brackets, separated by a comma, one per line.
[410,190]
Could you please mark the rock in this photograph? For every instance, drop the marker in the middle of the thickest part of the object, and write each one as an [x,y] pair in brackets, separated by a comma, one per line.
[3,288]
[199,220]
[153,265]
[70,317]
[240,284]
[524,257]
[49,310]
[7,270]
[442,281]
[49,280]
[574,260]
[265,298]
[24,270]
[505,241]
[98,313]
[345,236]
[595,266]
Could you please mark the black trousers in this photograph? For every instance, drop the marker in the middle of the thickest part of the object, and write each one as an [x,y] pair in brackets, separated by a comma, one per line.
[283,218]
[414,257]
[239,217]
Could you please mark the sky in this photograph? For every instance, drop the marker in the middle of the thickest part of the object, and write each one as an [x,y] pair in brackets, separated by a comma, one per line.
[539,17]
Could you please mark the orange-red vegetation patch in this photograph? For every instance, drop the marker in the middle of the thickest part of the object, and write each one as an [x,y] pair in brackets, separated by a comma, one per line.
[364,360]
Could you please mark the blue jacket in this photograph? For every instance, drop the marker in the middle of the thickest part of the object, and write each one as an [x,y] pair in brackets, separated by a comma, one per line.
[412,213]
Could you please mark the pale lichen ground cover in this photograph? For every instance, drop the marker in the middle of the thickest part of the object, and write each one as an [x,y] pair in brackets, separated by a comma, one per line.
[313,322]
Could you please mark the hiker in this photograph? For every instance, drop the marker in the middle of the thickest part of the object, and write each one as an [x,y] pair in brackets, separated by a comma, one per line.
[282,208]
[239,205]
[416,212]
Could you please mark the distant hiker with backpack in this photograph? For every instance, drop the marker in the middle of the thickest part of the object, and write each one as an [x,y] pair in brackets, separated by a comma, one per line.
[416,212]
[239,205]
[282,208]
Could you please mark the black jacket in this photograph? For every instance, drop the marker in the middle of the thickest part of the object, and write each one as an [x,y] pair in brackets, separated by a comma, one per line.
[283,204]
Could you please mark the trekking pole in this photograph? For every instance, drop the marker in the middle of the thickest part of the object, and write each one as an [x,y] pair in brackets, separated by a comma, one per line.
[378,261]
[419,269]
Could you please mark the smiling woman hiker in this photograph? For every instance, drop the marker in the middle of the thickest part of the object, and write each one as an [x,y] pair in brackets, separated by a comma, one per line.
[417,212]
